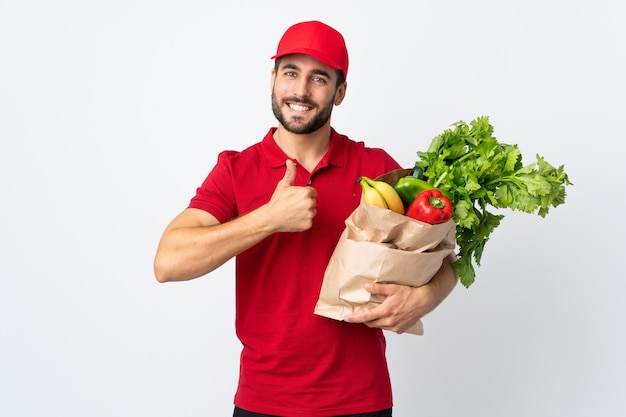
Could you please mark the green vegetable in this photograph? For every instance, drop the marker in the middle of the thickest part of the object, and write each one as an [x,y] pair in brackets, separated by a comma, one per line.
[409,187]
[417,172]
[475,171]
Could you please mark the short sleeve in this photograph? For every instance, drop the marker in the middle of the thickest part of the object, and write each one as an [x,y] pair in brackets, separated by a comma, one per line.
[216,194]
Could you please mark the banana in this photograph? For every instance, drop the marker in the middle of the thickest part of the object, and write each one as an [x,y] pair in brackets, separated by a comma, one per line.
[370,195]
[388,193]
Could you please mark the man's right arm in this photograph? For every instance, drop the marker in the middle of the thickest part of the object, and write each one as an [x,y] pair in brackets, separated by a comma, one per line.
[196,243]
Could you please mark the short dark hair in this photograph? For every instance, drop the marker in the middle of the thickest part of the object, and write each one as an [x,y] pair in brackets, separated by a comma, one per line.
[340,78]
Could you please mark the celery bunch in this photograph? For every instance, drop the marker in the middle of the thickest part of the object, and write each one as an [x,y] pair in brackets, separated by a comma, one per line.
[469,165]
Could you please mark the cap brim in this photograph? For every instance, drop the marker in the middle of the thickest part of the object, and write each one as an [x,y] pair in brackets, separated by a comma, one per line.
[315,54]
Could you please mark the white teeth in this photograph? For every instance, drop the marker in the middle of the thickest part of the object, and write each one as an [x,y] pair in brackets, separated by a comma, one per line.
[297,107]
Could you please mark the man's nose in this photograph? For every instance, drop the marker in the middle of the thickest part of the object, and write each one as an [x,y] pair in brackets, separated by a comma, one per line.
[301,88]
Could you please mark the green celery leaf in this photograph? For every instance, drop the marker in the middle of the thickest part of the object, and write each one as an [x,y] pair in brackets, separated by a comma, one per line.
[469,164]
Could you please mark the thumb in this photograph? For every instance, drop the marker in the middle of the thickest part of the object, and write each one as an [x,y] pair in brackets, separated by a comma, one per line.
[290,174]
[377,288]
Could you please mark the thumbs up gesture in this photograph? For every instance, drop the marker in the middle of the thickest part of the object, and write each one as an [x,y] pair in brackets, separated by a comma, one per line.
[292,207]
[290,175]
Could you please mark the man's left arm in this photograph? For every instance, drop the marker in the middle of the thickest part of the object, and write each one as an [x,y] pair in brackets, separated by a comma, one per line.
[403,305]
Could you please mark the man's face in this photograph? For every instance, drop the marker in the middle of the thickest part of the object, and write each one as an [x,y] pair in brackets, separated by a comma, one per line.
[304,92]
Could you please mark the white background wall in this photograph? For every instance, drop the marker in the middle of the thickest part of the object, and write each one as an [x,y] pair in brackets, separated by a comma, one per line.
[112,112]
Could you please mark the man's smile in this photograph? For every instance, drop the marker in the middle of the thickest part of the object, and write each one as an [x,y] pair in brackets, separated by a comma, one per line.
[299,107]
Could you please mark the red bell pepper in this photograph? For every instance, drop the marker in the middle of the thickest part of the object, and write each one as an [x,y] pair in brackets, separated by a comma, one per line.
[430,206]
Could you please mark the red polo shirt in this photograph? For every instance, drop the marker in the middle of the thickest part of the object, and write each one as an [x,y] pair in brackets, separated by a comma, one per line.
[295,363]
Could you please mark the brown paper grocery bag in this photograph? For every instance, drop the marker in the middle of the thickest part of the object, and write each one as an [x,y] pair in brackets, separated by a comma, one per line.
[379,245]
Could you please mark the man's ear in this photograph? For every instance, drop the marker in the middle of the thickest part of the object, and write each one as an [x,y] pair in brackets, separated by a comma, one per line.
[272,78]
[341,93]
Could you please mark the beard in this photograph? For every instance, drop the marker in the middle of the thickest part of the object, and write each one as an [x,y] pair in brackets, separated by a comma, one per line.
[296,124]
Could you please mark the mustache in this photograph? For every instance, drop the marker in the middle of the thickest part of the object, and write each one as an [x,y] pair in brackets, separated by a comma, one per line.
[299,100]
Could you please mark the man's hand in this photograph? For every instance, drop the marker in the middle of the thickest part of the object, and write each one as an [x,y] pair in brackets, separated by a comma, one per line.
[195,242]
[403,306]
[292,207]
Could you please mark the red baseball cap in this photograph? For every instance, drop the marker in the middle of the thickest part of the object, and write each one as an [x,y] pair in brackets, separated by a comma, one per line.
[318,40]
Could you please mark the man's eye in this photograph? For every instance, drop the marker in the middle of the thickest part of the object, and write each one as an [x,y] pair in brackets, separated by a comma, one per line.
[290,74]
[319,79]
